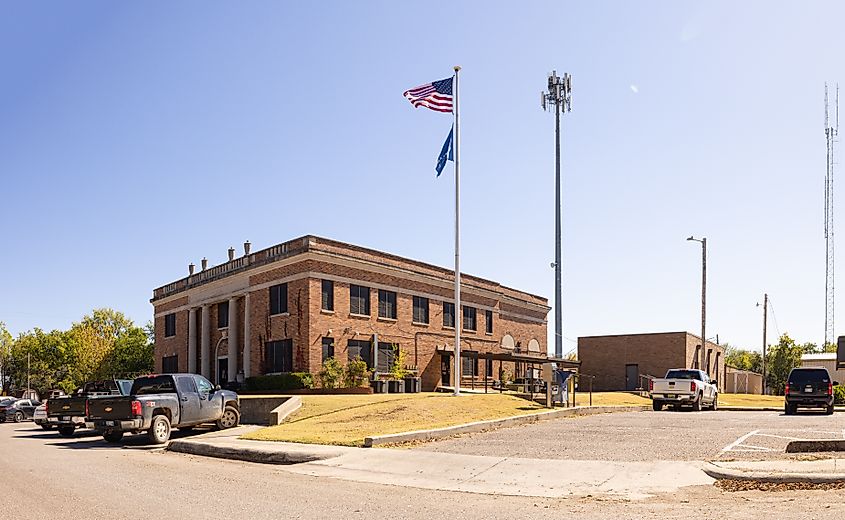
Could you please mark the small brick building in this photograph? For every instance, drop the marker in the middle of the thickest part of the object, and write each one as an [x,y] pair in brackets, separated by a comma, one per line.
[624,362]
[289,307]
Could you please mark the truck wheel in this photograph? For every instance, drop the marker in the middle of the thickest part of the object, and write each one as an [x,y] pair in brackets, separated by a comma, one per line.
[47,426]
[66,431]
[696,405]
[715,402]
[829,410]
[112,436]
[229,419]
[656,406]
[18,416]
[159,431]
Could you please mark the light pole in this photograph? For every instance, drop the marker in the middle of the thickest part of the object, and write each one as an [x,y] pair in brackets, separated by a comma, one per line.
[703,242]
[559,95]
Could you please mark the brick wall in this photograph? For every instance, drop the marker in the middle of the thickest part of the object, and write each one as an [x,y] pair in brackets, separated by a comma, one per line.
[606,357]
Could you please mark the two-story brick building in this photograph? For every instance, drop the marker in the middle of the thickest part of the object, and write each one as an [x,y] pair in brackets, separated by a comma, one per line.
[289,307]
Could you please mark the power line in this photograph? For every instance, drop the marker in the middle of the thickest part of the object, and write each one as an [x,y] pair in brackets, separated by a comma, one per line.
[774,318]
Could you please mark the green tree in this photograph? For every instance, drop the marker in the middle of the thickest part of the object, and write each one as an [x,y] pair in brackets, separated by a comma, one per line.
[6,341]
[743,359]
[780,360]
[331,373]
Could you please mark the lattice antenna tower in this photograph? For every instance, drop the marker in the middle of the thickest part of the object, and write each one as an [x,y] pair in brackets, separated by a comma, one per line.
[831,132]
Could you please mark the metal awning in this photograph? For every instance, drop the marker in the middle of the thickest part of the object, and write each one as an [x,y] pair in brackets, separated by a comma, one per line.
[512,356]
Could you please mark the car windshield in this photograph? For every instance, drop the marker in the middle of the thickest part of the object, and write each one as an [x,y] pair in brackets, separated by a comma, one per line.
[682,374]
[153,385]
[800,377]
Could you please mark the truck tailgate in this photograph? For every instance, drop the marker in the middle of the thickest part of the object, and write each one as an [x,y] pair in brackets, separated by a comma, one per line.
[110,408]
[66,407]
[671,386]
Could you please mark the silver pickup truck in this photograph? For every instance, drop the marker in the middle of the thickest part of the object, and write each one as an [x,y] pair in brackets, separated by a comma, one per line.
[684,387]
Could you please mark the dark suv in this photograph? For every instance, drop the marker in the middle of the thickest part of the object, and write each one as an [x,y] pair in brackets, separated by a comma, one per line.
[808,388]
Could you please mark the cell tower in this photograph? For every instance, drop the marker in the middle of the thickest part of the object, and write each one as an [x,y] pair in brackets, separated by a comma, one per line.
[831,133]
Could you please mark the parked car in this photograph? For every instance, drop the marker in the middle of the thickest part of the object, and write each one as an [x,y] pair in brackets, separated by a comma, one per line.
[17,410]
[808,387]
[68,413]
[39,417]
[158,403]
[684,387]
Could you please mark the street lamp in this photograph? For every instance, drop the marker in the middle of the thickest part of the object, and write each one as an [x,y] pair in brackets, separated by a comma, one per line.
[703,242]
[223,337]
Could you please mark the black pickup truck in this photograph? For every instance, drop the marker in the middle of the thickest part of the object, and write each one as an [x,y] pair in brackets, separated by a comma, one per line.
[157,403]
[68,412]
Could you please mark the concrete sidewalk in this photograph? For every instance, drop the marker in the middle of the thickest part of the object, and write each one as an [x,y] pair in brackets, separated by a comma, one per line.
[820,471]
[454,472]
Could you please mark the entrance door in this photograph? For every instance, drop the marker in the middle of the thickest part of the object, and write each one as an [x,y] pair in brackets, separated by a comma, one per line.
[632,377]
[445,370]
[222,370]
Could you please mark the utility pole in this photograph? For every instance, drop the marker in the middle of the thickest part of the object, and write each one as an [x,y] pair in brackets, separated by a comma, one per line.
[28,388]
[559,95]
[765,316]
[703,243]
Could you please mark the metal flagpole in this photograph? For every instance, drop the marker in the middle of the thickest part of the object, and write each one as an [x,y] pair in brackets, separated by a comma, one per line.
[458,312]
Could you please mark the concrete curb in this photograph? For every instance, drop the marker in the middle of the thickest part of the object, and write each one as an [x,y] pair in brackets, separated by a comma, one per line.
[287,454]
[750,408]
[720,473]
[480,426]
[281,412]
[813,446]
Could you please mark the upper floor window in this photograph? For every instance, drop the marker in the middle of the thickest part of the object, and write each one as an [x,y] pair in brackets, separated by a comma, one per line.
[386,304]
[448,314]
[279,299]
[327,300]
[359,300]
[222,315]
[420,309]
[469,318]
[488,321]
[170,325]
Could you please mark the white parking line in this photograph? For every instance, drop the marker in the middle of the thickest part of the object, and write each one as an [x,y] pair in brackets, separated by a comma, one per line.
[758,448]
[781,436]
[739,441]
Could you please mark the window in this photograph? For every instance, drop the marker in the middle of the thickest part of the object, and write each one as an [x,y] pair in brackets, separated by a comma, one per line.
[469,318]
[358,348]
[170,364]
[386,304]
[328,296]
[279,299]
[222,315]
[170,325]
[186,385]
[279,356]
[469,363]
[448,314]
[359,300]
[488,322]
[328,348]
[488,367]
[203,385]
[420,309]
[386,356]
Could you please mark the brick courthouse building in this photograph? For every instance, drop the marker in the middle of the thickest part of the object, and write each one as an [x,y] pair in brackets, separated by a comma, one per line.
[289,307]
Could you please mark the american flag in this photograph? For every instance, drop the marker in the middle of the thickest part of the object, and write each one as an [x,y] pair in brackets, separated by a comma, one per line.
[436,95]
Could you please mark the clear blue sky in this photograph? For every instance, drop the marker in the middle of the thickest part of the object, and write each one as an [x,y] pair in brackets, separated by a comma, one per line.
[136,137]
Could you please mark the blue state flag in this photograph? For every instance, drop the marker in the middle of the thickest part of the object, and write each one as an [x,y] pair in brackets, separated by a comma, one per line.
[446,153]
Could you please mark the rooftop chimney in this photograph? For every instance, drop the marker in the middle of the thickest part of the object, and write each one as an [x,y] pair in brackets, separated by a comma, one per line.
[191,267]
[204,264]
[231,253]
[247,245]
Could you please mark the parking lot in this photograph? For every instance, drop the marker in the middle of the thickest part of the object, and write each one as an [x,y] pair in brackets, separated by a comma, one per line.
[649,436]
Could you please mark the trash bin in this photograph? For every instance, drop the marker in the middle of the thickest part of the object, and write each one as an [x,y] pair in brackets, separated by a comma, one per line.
[395,386]
[379,386]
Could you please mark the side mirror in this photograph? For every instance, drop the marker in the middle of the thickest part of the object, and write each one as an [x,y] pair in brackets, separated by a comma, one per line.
[217,388]
[714,382]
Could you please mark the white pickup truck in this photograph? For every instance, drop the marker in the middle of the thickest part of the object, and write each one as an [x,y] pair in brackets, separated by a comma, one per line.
[684,387]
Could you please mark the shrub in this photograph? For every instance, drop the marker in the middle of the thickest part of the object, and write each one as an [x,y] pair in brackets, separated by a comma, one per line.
[397,369]
[839,394]
[331,373]
[280,382]
[356,373]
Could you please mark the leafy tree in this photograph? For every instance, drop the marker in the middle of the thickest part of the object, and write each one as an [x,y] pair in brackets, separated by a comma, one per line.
[5,351]
[829,348]
[780,360]
[356,373]
[331,373]
[743,359]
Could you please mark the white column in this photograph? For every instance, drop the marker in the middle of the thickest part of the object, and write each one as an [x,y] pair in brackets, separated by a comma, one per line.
[205,352]
[247,334]
[192,341]
[233,340]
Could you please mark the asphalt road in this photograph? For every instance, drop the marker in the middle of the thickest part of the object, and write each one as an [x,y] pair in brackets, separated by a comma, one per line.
[44,476]
[649,436]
